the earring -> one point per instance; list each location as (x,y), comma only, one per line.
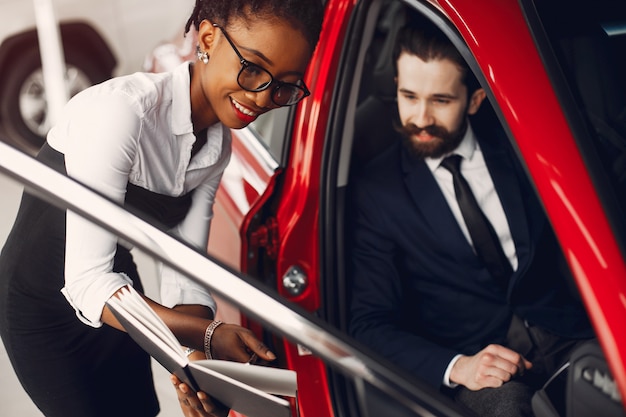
(202,55)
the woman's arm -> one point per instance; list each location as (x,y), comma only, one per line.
(189,324)
(98,135)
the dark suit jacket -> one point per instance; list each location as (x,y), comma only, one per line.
(419,293)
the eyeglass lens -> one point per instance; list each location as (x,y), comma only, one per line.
(255,78)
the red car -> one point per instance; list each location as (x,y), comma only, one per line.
(555,76)
(554,72)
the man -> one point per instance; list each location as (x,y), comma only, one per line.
(426,294)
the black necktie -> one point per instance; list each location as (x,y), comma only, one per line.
(486,241)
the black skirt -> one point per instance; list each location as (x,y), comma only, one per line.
(66,367)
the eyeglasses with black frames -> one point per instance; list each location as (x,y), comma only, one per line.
(255,78)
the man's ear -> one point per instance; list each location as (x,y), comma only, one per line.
(476,100)
(206,36)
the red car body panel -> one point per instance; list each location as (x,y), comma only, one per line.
(298,210)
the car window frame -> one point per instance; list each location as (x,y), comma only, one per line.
(254,299)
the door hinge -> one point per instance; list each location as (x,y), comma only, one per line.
(266,237)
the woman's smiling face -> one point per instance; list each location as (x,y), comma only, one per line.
(273,44)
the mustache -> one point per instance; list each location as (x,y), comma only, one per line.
(433,130)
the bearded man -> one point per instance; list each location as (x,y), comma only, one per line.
(456,274)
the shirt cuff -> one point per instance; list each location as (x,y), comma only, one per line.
(446,375)
(94,299)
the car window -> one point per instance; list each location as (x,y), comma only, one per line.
(589,44)
(270,129)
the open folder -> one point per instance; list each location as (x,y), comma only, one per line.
(251,390)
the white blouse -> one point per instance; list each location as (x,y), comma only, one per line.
(136,129)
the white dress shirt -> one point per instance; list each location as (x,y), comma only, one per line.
(135,129)
(474,169)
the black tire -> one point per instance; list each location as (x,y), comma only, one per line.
(23,69)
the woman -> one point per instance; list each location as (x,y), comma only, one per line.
(158,143)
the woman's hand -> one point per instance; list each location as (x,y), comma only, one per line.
(235,343)
(197,405)
(229,342)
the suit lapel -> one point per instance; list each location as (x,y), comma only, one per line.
(433,207)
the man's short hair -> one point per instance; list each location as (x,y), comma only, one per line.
(423,39)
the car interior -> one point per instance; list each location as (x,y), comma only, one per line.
(589,54)
(590,50)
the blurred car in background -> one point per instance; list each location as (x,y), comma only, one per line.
(100,39)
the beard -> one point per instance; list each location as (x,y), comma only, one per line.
(443,141)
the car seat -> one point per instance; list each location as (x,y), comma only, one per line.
(593,64)
(373,131)
(583,387)
(595,74)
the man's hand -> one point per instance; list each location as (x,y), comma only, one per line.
(489,368)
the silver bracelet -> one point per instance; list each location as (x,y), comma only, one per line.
(189,351)
(208,335)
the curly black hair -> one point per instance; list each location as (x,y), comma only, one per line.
(305,15)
